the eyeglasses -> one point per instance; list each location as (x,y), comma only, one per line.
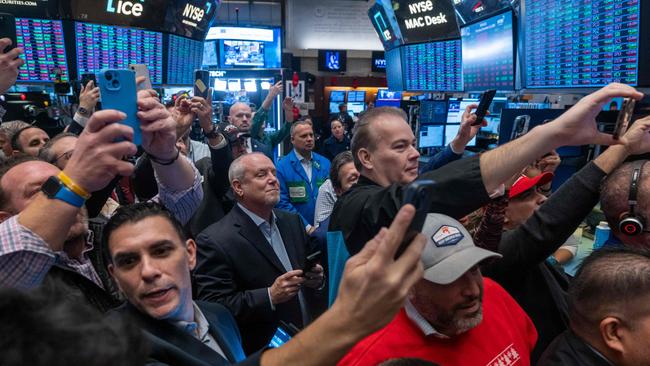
(67,155)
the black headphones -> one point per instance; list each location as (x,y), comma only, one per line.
(631,223)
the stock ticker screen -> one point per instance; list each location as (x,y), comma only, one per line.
(488,54)
(108,47)
(42,41)
(184,55)
(434,66)
(581,43)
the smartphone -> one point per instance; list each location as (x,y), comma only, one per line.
(624,117)
(118,91)
(142,70)
(8,30)
(484,105)
(201,83)
(520,126)
(419,194)
(311,261)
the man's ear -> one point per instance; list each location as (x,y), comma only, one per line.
(111,271)
(190,246)
(365,158)
(237,188)
(610,332)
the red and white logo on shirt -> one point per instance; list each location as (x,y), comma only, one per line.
(507,357)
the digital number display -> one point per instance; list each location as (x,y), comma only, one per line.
(44,49)
(433,66)
(183,57)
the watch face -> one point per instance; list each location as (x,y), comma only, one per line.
(51,187)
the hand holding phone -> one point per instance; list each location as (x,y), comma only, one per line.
(201,83)
(311,261)
(142,71)
(624,117)
(419,194)
(483,106)
(118,91)
(8,30)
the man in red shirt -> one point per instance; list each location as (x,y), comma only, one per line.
(453,316)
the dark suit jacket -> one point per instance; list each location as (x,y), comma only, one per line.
(236,265)
(259,146)
(172,346)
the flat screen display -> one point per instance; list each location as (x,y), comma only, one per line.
(384,21)
(451,130)
(210,57)
(378,61)
(434,66)
(184,55)
(337,96)
(488,54)
(332,60)
(242,53)
(581,43)
(433,112)
(190,18)
(431,136)
(468,11)
(388,98)
(425,21)
(149,14)
(108,47)
(44,50)
(356,107)
(456,108)
(357,96)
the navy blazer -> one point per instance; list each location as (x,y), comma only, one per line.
(172,346)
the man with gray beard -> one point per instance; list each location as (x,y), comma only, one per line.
(253,260)
(453,316)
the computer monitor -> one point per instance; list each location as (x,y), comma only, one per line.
(533,117)
(242,53)
(210,57)
(457,107)
(356,107)
(433,112)
(336,97)
(488,54)
(184,55)
(332,60)
(434,66)
(43,50)
(387,98)
(431,136)
(493,123)
(357,96)
(451,130)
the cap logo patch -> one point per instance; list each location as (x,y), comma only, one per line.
(446,235)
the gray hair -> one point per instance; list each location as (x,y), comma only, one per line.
(237,169)
(303,122)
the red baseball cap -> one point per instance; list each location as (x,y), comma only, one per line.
(524,183)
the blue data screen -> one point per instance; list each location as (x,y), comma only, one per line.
(581,43)
(433,66)
(184,55)
(42,42)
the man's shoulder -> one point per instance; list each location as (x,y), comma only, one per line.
(215,309)
(223,226)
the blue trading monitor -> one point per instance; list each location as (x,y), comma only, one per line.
(242,53)
(184,55)
(431,136)
(356,107)
(394,69)
(44,49)
(432,112)
(451,130)
(108,47)
(387,98)
(581,43)
(456,108)
(336,97)
(357,96)
(488,54)
(433,66)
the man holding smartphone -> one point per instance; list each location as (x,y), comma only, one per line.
(10,62)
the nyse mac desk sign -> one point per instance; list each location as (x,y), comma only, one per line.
(426,20)
(191,18)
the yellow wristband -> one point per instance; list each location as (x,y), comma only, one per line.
(73,186)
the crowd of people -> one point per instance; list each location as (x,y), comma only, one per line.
(183,252)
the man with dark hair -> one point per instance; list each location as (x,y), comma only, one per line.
(44,236)
(252,260)
(338,142)
(384,153)
(58,150)
(69,331)
(9,129)
(29,140)
(151,259)
(608,309)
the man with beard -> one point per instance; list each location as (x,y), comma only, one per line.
(44,235)
(301,173)
(453,316)
(252,260)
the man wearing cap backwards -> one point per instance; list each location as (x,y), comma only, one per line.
(453,316)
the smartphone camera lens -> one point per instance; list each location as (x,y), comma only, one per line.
(115,84)
(108,76)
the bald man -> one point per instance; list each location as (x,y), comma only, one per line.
(241,115)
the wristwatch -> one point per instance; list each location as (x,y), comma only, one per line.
(212,134)
(83,112)
(55,189)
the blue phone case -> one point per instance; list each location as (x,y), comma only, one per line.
(118,91)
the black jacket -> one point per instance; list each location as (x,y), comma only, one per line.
(570,350)
(236,265)
(367,207)
(169,345)
(79,287)
(538,287)
(332,147)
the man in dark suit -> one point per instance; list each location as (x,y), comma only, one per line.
(251,261)
(241,116)
(150,260)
